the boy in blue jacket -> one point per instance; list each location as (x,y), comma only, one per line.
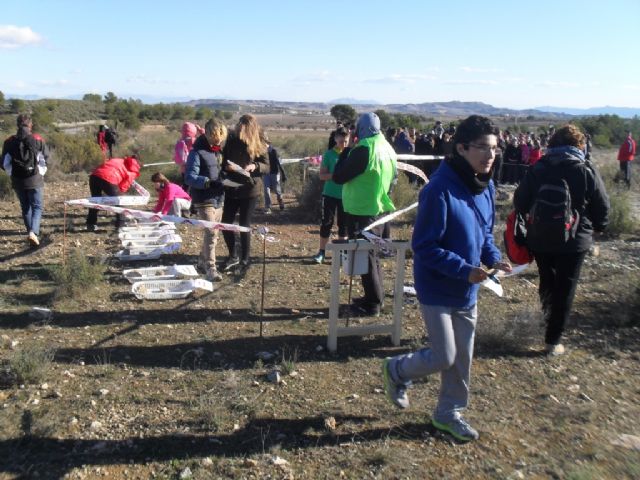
(452,237)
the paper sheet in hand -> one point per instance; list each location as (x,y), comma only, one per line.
(238,169)
(515,270)
(493,285)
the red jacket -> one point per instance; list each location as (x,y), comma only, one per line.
(102,142)
(119,171)
(627,150)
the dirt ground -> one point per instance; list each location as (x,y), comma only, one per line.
(181,388)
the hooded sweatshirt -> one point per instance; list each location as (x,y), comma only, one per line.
(588,195)
(119,171)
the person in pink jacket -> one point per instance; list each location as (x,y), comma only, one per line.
(112,178)
(172,199)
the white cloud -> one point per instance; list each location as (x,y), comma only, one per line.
(401,78)
(15,37)
(555,84)
(52,83)
(472,82)
(480,70)
(145,79)
(314,77)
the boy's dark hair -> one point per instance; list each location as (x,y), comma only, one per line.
(341,132)
(473,127)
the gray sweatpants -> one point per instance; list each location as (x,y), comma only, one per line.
(451,332)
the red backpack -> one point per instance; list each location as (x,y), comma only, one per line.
(515,239)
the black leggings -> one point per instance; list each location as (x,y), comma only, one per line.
(246,207)
(98,187)
(331,206)
(559,274)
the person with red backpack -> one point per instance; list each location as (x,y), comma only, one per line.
(625,156)
(111,178)
(24,158)
(565,202)
(101,138)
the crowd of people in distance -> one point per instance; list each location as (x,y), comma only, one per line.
(223,173)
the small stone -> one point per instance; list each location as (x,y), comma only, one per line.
(103,392)
(206,462)
(554,399)
(279,461)
(95,425)
(493,374)
(44,386)
(330,423)
(378,390)
(585,397)
(236,427)
(353,396)
(14,344)
(575,388)
(186,473)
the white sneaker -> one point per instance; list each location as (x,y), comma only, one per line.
(33,240)
(554,350)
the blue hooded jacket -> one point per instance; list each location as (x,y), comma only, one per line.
(453,234)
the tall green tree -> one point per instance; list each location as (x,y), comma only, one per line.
(1,98)
(92,97)
(344,113)
(110,97)
(17,105)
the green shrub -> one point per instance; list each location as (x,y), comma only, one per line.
(73,153)
(620,215)
(309,200)
(76,277)
(404,194)
(30,364)
(5,186)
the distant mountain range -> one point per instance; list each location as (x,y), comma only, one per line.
(625,112)
(434,109)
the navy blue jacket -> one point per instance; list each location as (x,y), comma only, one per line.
(203,163)
(452,235)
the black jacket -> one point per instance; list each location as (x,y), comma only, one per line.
(588,195)
(9,146)
(236,151)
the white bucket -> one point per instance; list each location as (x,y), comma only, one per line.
(356,262)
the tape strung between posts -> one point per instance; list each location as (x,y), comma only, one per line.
(381,221)
(157,216)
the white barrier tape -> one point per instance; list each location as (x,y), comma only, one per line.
(410,157)
(415,170)
(140,189)
(157,217)
(159,163)
(391,216)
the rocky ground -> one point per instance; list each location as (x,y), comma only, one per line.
(185,388)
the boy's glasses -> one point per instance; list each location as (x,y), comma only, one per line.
(484,148)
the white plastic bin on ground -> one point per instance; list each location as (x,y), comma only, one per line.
(167,272)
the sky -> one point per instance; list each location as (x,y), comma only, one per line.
(575,54)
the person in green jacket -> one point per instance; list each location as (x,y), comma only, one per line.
(366,174)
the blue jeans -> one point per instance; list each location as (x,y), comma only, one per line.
(31,204)
(271,182)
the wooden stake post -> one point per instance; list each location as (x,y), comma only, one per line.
(395,328)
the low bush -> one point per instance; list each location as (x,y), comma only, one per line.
(73,153)
(620,215)
(310,199)
(29,365)
(77,275)
(5,186)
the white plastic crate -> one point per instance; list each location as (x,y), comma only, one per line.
(151,242)
(144,233)
(127,255)
(168,272)
(168,289)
